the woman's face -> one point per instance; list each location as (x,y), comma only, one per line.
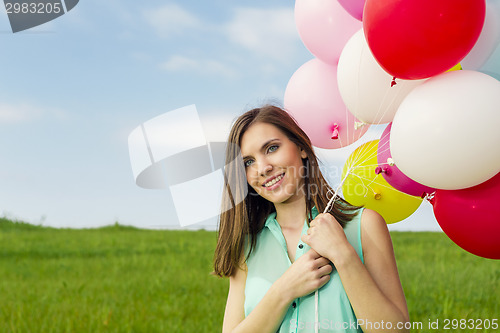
(273,163)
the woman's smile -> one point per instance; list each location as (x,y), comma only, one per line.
(273,182)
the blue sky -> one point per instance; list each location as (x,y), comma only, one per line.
(73,89)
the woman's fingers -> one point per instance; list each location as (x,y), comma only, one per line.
(324,265)
(323,280)
(308,273)
(313,254)
(325,270)
(321,261)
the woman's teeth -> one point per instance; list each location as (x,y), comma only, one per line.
(274,181)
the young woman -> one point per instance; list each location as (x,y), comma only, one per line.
(278,247)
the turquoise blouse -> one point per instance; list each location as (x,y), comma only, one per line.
(269,260)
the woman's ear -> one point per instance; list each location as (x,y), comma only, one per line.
(303,153)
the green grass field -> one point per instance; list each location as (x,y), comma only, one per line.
(122,279)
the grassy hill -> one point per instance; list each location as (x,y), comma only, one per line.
(123,279)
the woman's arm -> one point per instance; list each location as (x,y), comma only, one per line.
(374,289)
(235,311)
(306,274)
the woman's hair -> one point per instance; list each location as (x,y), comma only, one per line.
(244,212)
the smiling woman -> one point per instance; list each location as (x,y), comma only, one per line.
(274,166)
(277,250)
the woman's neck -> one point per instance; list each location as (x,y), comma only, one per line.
(291,214)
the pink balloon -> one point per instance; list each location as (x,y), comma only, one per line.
(312,97)
(324,27)
(471,217)
(392,174)
(354,7)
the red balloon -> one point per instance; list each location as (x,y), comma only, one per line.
(471,217)
(417,39)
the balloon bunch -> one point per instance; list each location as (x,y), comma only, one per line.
(415,65)
(312,95)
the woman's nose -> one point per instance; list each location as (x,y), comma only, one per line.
(264,167)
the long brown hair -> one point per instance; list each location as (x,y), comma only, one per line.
(244,211)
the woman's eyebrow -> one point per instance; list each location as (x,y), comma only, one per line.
(263,146)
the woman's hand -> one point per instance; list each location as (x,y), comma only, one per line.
(308,273)
(327,238)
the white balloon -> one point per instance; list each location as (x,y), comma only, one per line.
(446,132)
(488,39)
(366,89)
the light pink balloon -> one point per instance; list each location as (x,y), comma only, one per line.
(392,174)
(354,7)
(312,97)
(324,27)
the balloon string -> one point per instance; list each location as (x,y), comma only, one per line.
(367,188)
(349,172)
(346,115)
(380,108)
(367,185)
(358,68)
(363,50)
(358,153)
(382,148)
(352,168)
(365,156)
(328,207)
(361,159)
(332,199)
(335,135)
(360,156)
(391,102)
(370,166)
(388,187)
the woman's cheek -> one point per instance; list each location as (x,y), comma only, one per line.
(291,189)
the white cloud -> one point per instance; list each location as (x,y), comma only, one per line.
(217,126)
(270,34)
(266,32)
(178,63)
(11,114)
(20,113)
(171,20)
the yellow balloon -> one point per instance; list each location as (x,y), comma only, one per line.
(457,67)
(363,187)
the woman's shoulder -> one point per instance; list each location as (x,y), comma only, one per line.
(370,216)
(374,225)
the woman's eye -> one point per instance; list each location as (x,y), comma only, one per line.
(272,148)
(248,163)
